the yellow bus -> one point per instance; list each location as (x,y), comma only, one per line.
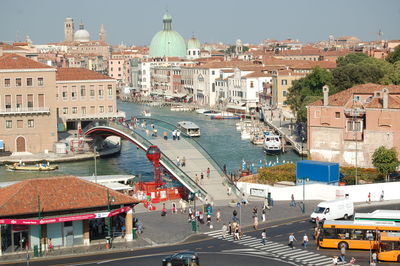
(354,234)
(389,246)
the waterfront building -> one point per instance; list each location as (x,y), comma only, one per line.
(84,96)
(349,126)
(68,210)
(28,116)
(282,80)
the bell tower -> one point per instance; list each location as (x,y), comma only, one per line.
(69,30)
(102,34)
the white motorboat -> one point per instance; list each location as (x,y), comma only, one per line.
(272,143)
(200,111)
(189,128)
(179,108)
(245,134)
(211,112)
(146,113)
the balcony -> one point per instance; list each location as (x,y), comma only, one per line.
(96,116)
(25,111)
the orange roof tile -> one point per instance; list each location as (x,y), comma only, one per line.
(343,97)
(6,46)
(64,74)
(14,61)
(65,193)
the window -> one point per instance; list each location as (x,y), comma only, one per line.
(83,91)
(213,72)
(101,109)
(101,94)
(110,109)
(337,114)
(284,82)
(31,123)
(20,123)
(74,110)
(251,84)
(73,95)
(356,98)
(112,69)
(8,123)
(317,114)
(41,100)
(91,93)
(40,82)
(7,82)
(354,125)
(64,95)
(18,82)
(29,82)
(19,101)
(65,110)
(30,101)
(284,93)
(8,101)
(83,109)
(109,88)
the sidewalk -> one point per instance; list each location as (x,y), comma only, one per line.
(175,228)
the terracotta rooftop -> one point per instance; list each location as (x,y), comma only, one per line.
(343,97)
(6,46)
(64,74)
(56,194)
(258,74)
(14,61)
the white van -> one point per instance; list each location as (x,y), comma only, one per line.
(334,209)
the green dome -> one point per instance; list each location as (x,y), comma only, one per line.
(167,42)
(193,43)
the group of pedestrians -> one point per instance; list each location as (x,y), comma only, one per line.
(181,162)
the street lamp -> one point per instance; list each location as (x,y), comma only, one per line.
(95,164)
(40,228)
(304,180)
(109,201)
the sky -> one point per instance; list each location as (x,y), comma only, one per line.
(134,22)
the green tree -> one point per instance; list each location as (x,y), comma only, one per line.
(394,56)
(385,161)
(352,58)
(307,90)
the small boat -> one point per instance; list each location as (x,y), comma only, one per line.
(37,167)
(245,134)
(189,128)
(257,139)
(211,112)
(272,143)
(179,108)
(146,113)
(200,111)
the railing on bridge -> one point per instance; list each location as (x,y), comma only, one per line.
(145,144)
(227,181)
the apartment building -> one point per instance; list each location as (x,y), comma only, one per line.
(28,117)
(84,96)
(349,126)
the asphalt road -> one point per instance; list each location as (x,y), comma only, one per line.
(214,251)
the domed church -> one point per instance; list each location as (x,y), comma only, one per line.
(167,43)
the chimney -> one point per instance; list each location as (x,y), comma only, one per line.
(325,90)
(385,97)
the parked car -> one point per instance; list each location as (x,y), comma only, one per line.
(187,258)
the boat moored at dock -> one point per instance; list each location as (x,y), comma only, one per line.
(272,143)
(37,167)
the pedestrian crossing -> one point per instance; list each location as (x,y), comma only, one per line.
(300,256)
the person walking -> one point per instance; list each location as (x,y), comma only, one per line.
(369,197)
(201,178)
(178,135)
(174,135)
(196,178)
(218,215)
(229,228)
(292,202)
(305,240)
(163,210)
(382,195)
(208,172)
(263,214)
(178,161)
(173,208)
(255,222)
(183,162)
(375,258)
(165,135)
(224,231)
(263,237)
(342,253)
(291,240)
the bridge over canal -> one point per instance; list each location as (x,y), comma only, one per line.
(197,158)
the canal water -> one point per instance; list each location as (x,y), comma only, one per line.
(218,137)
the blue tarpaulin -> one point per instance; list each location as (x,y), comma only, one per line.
(316,171)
